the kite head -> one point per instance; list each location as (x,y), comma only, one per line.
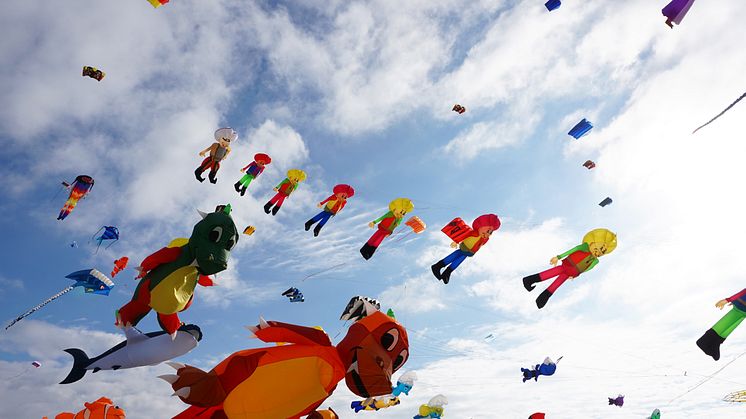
(374,348)
(405,383)
(400,207)
(600,241)
(485,225)
(262,159)
(212,240)
(224,136)
(343,191)
(193,330)
(296,176)
(103,408)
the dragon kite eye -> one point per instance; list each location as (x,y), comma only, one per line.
(215,234)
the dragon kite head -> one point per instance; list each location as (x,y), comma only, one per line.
(375,346)
(212,240)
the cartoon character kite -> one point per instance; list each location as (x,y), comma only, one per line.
(387,223)
(252,171)
(710,342)
(433,408)
(468,240)
(219,150)
(334,204)
(403,385)
(284,189)
(548,367)
(579,259)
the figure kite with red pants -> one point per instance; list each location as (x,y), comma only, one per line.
(468,240)
(387,223)
(284,189)
(218,150)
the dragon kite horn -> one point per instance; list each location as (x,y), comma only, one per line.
(360,307)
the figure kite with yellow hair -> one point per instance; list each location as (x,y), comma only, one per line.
(284,189)
(579,259)
(387,223)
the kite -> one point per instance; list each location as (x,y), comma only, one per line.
(458,109)
(416,224)
(157,3)
(537,415)
(139,350)
(284,189)
(605,202)
(291,381)
(74,244)
(553,5)
(433,409)
(675,11)
(119,265)
(334,204)
(589,164)
(110,233)
(252,171)
(324,414)
(655,415)
(710,342)
(218,150)
(579,259)
(92,281)
(170,275)
(249,230)
(468,240)
(490,338)
(387,223)
(102,408)
(736,397)
(93,73)
(548,367)
(294,295)
(403,385)
(618,401)
(580,129)
(36,364)
(721,113)
(80,187)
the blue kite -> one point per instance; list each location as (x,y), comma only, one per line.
(580,129)
(109,233)
(605,202)
(548,367)
(553,4)
(91,280)
(294,295)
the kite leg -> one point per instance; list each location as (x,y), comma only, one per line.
(214,172)
(452,261)
(132,312)
(206,164)
(169,322)
(373,242)
(276,201)
(729,322)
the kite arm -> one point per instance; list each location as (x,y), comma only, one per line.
(165,255)
(326,200)
(381,218)
(736,296)
(273,331)
(577,248)
(206,281)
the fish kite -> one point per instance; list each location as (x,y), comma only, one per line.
(102,408)
(119,265)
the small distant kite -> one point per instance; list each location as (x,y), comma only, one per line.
(580,129)
(589,164)
(489,338)
(249,230)
(721,113)
(736,397)
(537,415)
(92,281)
(417,225)
(618,401)
(294,295)
(157,3)
(36,364)
(675,11)
(553,4)
(119,265)
(79,189)
(605,202)
(109,233)
(93,73)
(74,244)
(458,109)
(655,415)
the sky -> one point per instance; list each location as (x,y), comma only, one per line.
(360,92)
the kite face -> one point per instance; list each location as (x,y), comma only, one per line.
(296,175)
(212,240)
(400,207)
(373,349)
(600,241)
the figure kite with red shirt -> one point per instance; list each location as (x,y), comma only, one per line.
(575,261)
(711,340)
(252,171)
(468,240)
(334,205)
(387,223)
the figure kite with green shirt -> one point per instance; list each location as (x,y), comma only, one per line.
(579,259)
(284,189)
(711,340)
(387,223)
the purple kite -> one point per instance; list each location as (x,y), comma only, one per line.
(676,10)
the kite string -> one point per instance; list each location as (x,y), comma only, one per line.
(720,114)
(706,379)
(39,306)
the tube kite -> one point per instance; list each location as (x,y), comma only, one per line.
(710,342)
(468,240)
(332,206)
(387,223)
(80,187)
(579,259)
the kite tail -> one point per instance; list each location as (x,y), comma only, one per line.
(80,362)
(720,114)
(195,412)
(47,301)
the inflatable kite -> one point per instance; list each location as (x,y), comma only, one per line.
(293,380)
(617,401)
(284,189)
(334,204)
(119,265)
(218,150)
(109,233)
(537,415)
(712,339)
(605,202)
(580,129)
(387,223)
(468,240)
(720,114)
(170,275)
(324,414)
(294,295)
(102,408)
(252,171)
(80,187)
(93,73)
(553,5)
(433,409)
(91,280)
(655,415)
(157,3)
(458,109)
(139,350)
(589,164)
(249,230)
(579,259)
(675,11)
(403,385)
(548,367)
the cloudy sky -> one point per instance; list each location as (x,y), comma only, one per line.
(360,92)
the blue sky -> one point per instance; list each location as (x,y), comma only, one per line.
(361,92)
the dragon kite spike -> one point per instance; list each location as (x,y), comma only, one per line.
(360,307)
(202,214)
